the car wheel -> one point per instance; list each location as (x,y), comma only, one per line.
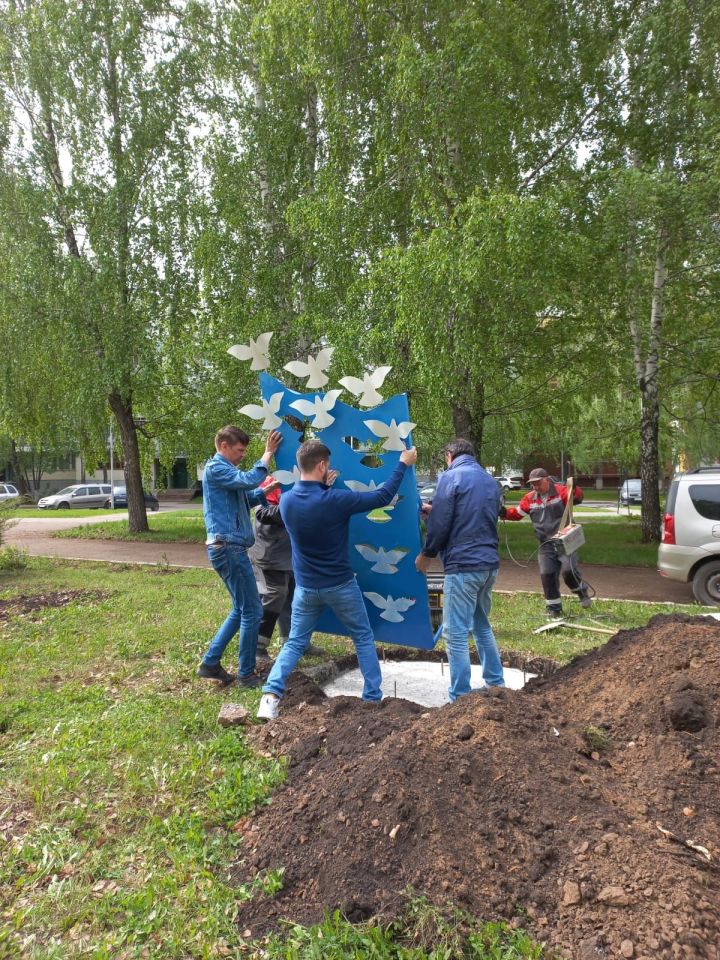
(63,506)
(706,584)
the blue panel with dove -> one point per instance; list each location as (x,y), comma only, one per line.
(365,447)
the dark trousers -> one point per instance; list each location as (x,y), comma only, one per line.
(552,564)
(276,588)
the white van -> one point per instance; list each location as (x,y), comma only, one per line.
(690,548)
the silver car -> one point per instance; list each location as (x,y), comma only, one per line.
(690,548)
(79,496)
(8,492)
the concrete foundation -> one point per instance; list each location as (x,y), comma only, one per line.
(417,680)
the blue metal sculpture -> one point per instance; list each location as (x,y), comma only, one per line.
(364,447)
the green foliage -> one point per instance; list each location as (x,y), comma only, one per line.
(13,558)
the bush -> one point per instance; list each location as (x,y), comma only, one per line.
(13,558)
(7,511)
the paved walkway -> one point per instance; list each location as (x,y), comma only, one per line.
(619,583)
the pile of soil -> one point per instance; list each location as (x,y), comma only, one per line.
(564,808)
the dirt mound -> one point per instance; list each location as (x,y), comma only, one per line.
(566,806)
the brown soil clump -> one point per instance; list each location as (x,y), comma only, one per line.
(545,802)
(32,603)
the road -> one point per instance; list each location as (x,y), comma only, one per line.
(609,582)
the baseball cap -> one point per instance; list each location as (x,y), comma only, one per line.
(538,473)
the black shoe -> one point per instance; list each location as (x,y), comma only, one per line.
(262,654)
(314,651)
(553,613)
(215,673)
(249,682)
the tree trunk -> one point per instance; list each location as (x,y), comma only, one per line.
(131,453)
(649,471)
(650,414)
(469,418)
(19,472)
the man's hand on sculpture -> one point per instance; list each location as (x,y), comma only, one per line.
(332,476)
(274,439)
(408,457)
(422,563)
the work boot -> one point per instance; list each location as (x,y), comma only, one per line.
(215,673)
(553,612)
(314,651)
(262,648)
(585,599)
(250,681)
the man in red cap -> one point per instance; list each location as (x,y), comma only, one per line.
(271,557)
(545,505)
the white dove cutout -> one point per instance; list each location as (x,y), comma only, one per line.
(313,368)
(318,408)
(357,486)
(268,410)
(287,477)
(367,388)
(256,351)
(382,560)
(392,607)
(394,432)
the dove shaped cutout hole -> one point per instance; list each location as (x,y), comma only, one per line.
(384,514)
(302,426)
(370,451)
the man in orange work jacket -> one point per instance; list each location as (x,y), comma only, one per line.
(545,505)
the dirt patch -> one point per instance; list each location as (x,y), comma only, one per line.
(544,805)
(32,603)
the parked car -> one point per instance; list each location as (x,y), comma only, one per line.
(121,500)
(631,492)
(79,496)
(427,492)
(510,481)
(8,492)
(690,548)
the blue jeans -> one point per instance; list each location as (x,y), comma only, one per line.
(467,601)
(233,565)
(347,604)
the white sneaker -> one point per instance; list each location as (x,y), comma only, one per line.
(268,709)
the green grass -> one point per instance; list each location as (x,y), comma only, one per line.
(607,495)
(119,791)
(34,513)
(609,541)
(180,526)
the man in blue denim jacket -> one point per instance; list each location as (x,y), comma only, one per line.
(462,528)
(228,494)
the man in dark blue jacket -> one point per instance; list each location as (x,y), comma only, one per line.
(318,521)
(462,528)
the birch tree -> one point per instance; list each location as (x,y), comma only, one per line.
(95,98)
(660,205)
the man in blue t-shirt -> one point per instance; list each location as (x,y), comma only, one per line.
(462,528)
(318,521)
